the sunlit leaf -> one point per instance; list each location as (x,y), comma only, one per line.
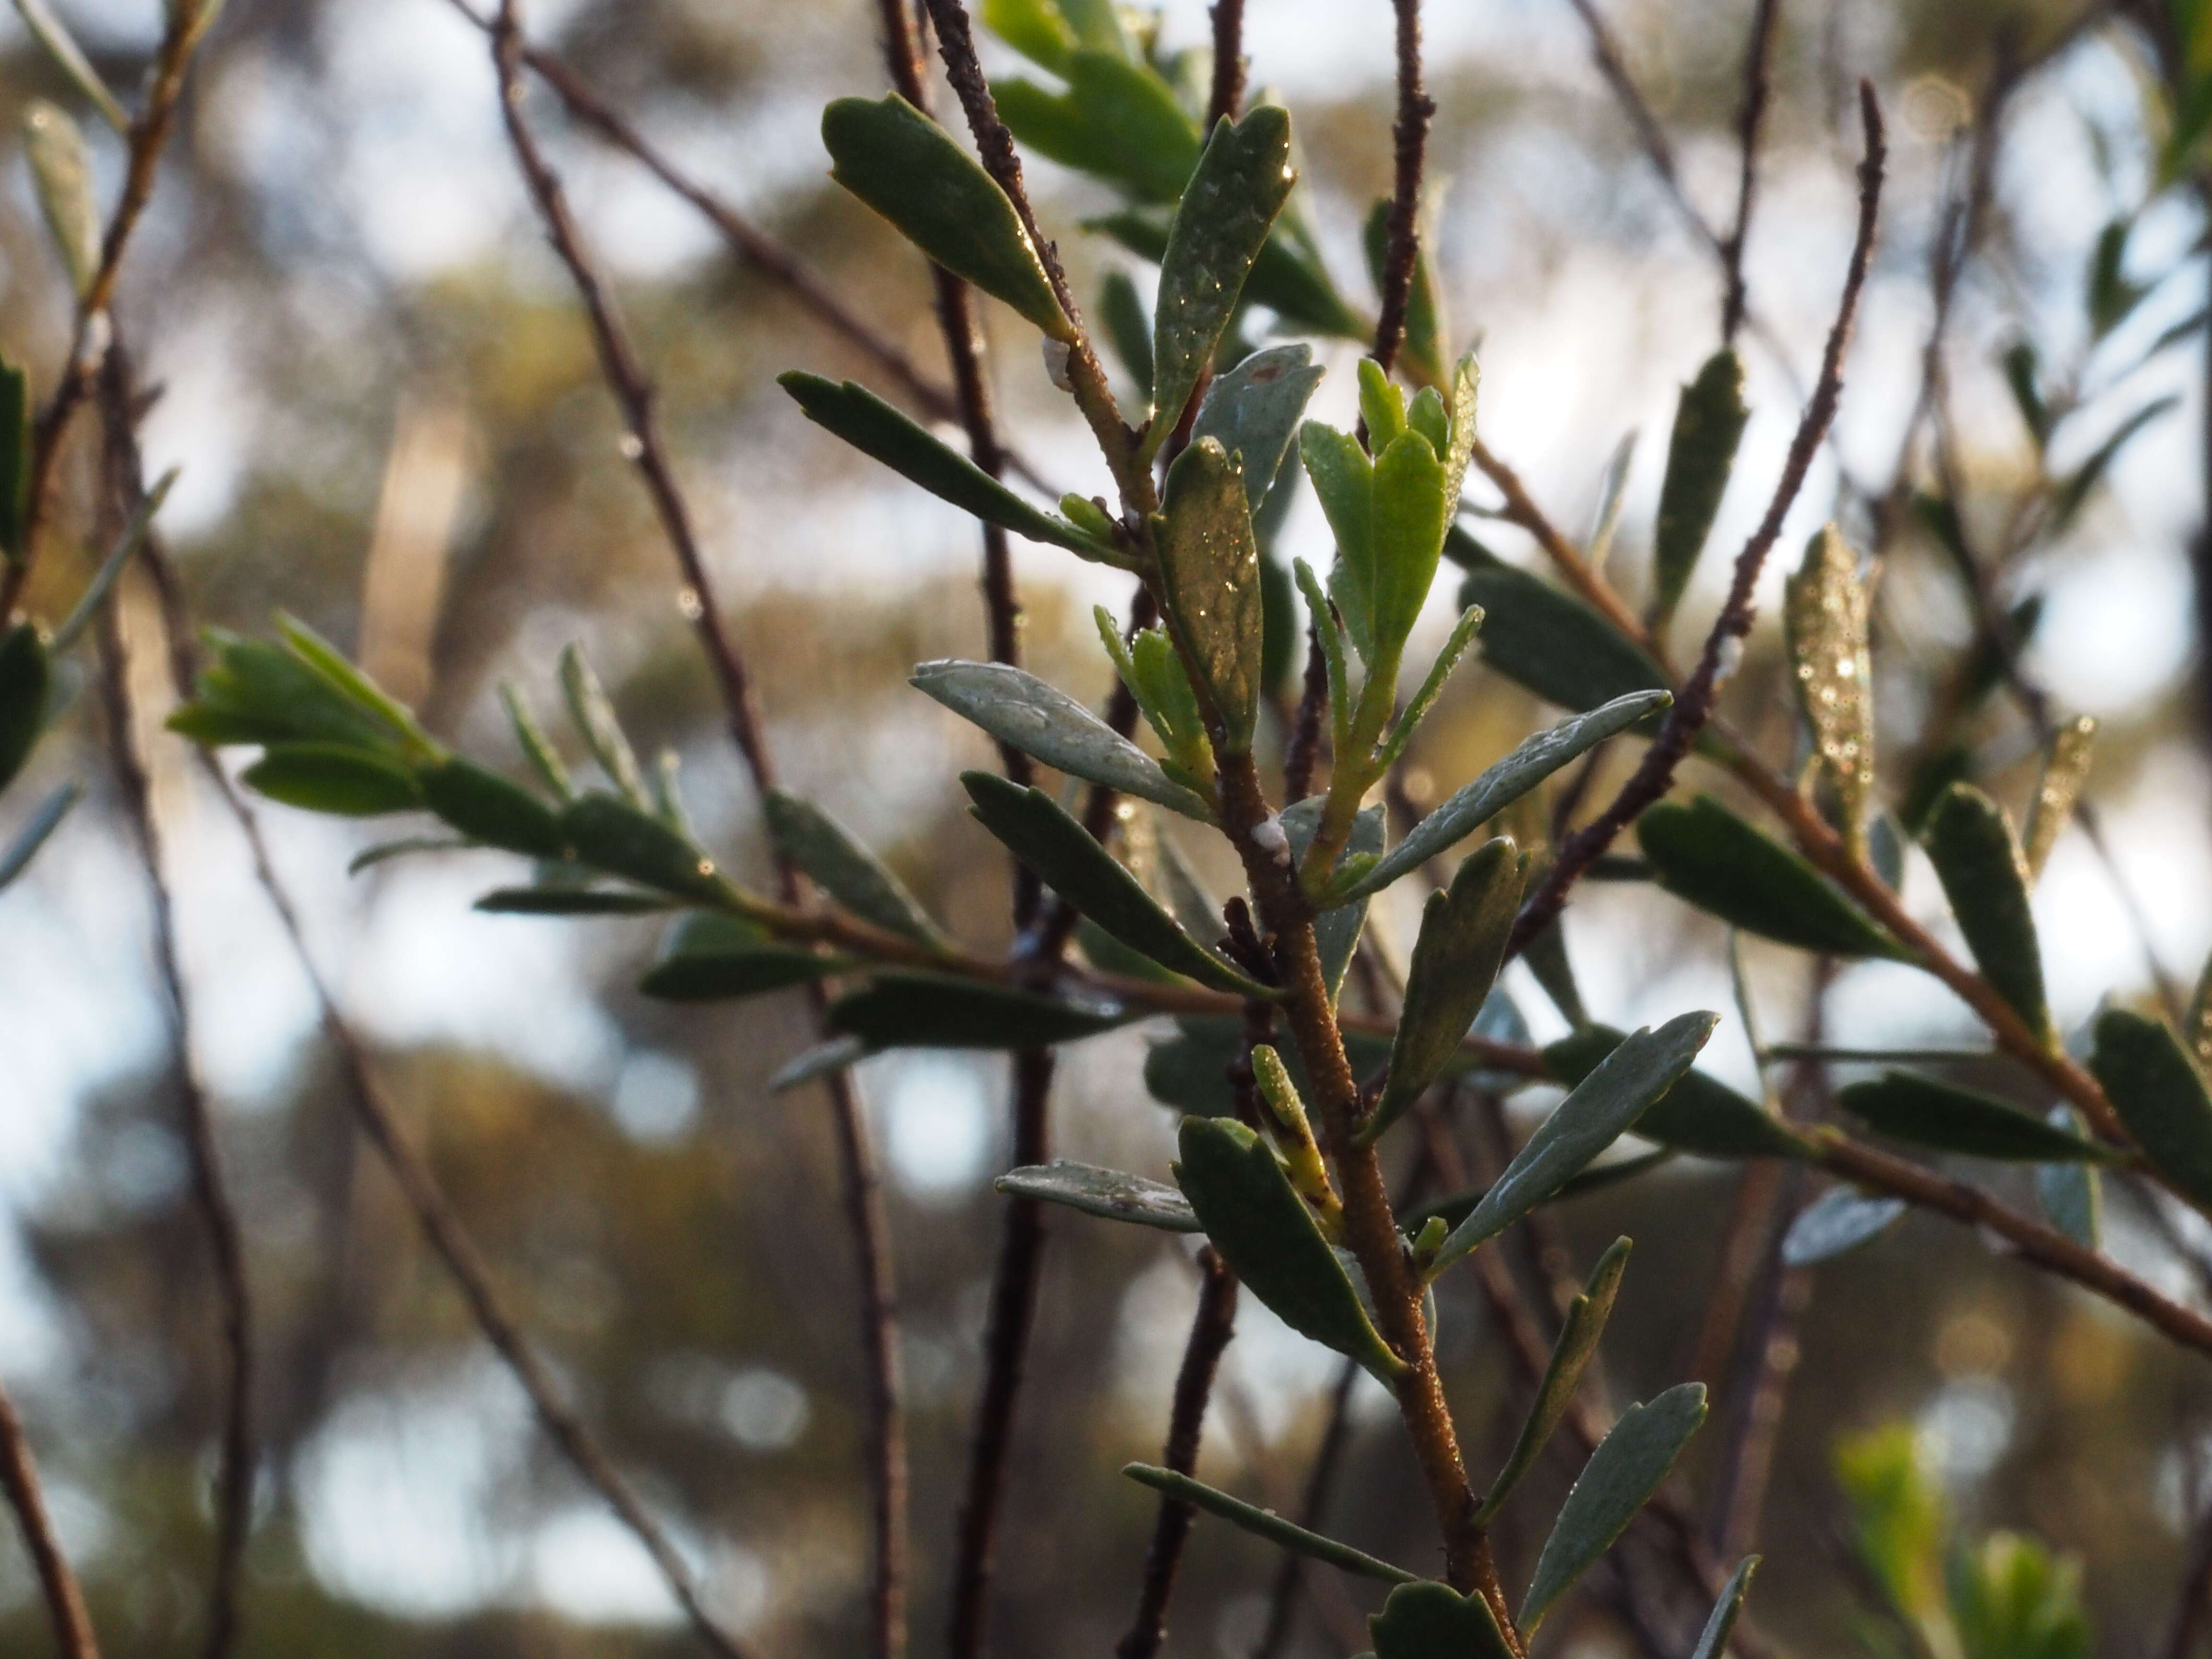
(1210,570)
(1253,410)
(1114,1194)
(2065,769)
(1117,121)
(1712,1640)
(48,30)
(1826,610)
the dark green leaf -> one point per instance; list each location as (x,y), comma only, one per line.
(1265,1232)
(1456,1208)
(1950,1119)
(26,682)
(1457,958)
(1336,930)
(486,807)
(1597,1112)
(1243,179)
(568,902)
(323,777)
(16,855)
(328,663)
(809,838)
(2197,1026)
(933,1011)
(1985,878)
(882,433)
(1698,1115)
(1840,1220)
(1285,280)
(253,692)
(1431,1620)
(1548,640)
(1064,855)
(1708,423)
(1209,569)
(1039,719)
(1117,121)
(1114,1194)
(1122,313)
(1265,1524)
(1570,1355)
(1554,970)
(15,457)
(1253,410)
(2161,1096)
(1707,856)
(1712,1640)
(610,834)
(907,167)
(369,857)
(2071,1194)
(1618,1479)
(709,957)
(1475,805)
(2020,372)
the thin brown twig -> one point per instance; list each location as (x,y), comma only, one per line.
(1226,96)
(65,1597)
(1409,136)
(1302,752)
(1757,86)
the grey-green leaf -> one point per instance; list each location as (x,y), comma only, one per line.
(1985,878)
(1501,785)
(1700,1115)
(16,854)
(844,869)
(1707,856)
(1210,570)
(709,957)
(1114,1194)
(1253,410)
(1708,424)
(1428,1620)
(1571,1356)
(2159,1096)
(1618,1479)
(1597,1112)
(1265,1524)
(1065,856)
(1949,1119)
(61,167)
(1840,1220)
(2071,1194)
(908,168)
(62,48)
(1457,958)
(593,712)
(1039,719)
(1548,640)
(1337,929)
(1263,1229)
(933,1011)
(1712,1640)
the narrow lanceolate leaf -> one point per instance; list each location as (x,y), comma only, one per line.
(1707,856)
(1708,424)
(1475,804)
(1064,855)
(1549,641)
(2161,1096)
(1210,569)
(1700,1115)
(1455,962)
(570,902)
(1466,379)
(1712,1640)
(1253,410)
(1430,1620)
(2065,769)
(610,834)
(321,777)
(2071,1194)
(593,712)
(1039,719)
(1263,1229)
(845,869)
(1597,1112)
(94,593)
(709,957)
(883,433)
(1114,1194)
(838,1054)
(61,165)
(1411,514)
(1972,846)
(1840,1220)
(16,854)
(1035,28)
(1344,482)
(26,682)
(1243,179)
(1265,1524)
(15,457)
(486,807)
(37,16)
(2198,1031)
(1954,1120)
(1618,1479)
(909,169)
(1571,1356)
(1118,120)
(933,1011)
(1826,614)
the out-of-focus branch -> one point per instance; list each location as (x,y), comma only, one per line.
(1226,94)
(1409,136)
(1758,85)
(19,1475)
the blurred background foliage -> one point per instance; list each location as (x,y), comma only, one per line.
(390,424)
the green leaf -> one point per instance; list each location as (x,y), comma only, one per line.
(15,457)
(1708,423)
(883,433)
(809,838)
(1499,785)
(1826,613)
(593,712)
(1431,1620)
(1466,380)
(1064,855)
(1950,1119)
(1285,280)
(1712,1640)
(1425,345)
(2010,1599)
(1409,518)
(1457,958)
(1336,930)
(1985,878)
(2071,1194)
(1128,326)
(609,834)
(1243,179)
(709,957)
(1456,1208)
(26,683)
(486,807)
(1265,1232)
(1034,28)
(1549,641)
(95,591)
(1041,720)
(253,692)
(1597,1112)
(536,747)
(1209,572)
(2065,769)
(935,1010)
(1417,708)
(1700,1115)
(329,664)
(61,167)
(1618,1479)
(1114,1194)
(1117,121)
(2021,375)
(908,168)
(1253,410)
(1840,1220)
(2198,1025)
(1579,1331)
(1343,482)
(1707,856)
(1265,1524)
(404,847)
(2159,1096)
(16,854)
(569,901)
(325,777)
(48,30)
